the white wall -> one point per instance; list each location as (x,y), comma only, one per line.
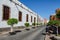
(14,13)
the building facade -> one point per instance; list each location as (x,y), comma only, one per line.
(15,9)
(45,21)
(53,17)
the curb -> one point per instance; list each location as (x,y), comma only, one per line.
(7,33)
(4,33)
(57,37)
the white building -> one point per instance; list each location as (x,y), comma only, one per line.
(15,9)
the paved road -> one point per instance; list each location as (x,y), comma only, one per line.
(33,34)
(40,36)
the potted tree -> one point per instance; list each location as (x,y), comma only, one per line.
(11,22)
(27,26)
(33,25)
(38,24)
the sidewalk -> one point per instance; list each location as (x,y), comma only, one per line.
(4,33)
(7,32)
(47,37)
(58,37)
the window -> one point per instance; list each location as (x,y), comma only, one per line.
(31,18)
(26,17)
(20,16)
(6,12)
(34,20)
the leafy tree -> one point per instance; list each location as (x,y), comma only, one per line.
(27,24)
(53,22)
(11,22)
(57,11)
(33,24)
(38,23)
(58,15)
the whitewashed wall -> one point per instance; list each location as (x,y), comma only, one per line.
(14,13)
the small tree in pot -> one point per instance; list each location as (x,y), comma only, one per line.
(27,26)
(33,25)
(11,22)
(39,24)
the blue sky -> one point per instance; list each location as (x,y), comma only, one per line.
(43,7)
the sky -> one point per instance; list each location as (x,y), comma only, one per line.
(44,8)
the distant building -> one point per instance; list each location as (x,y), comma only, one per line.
(45,21)
(53,17)
(40,19)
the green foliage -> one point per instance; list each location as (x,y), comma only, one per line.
(12,21)
(38,23)
(58,15)
(58,12)
(33,24)
(27,24)
(53,22)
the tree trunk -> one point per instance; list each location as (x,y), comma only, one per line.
(12,28)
